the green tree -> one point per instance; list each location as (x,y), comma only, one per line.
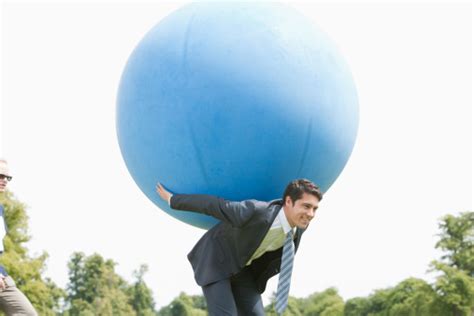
(141,297)
(25,269)
(455,291)
(185,305)
(326,303)
(457,241)
(95,289)
(455,284)
(375,304)
(411,297)
(294,307)
(357,306)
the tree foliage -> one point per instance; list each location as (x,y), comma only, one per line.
(455,284)
(185,305)
(26,270)
(457,241)
(455,291)
(326,303)
(140,296)
(95,288)
(411,297)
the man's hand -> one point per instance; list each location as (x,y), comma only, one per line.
(164,194)
(3,285)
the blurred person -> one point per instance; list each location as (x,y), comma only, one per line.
(12,300)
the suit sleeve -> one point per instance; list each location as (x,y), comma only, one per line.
(234,213)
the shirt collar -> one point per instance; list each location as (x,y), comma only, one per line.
(284,221)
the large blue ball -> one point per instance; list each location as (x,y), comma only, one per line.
(235,100)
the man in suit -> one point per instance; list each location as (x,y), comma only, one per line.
(233,260)
(12,300)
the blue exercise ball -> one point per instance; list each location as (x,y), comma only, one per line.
(235,100)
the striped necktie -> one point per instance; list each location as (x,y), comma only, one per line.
(285,274)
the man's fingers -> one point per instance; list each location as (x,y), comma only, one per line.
(161,191)
(159,187)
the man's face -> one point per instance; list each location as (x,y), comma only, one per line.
(302,211)
(3,172)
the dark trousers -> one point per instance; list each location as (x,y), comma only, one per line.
(235,296)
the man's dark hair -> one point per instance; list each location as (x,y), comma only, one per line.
(296,188)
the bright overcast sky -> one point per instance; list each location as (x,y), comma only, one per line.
(412,161)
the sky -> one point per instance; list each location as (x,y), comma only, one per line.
(377,225)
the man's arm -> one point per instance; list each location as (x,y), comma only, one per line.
(234,213)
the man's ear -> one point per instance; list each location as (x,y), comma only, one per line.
(288,200)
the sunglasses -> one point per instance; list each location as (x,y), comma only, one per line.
(3,176)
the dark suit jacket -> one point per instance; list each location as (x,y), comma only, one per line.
(224,250)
